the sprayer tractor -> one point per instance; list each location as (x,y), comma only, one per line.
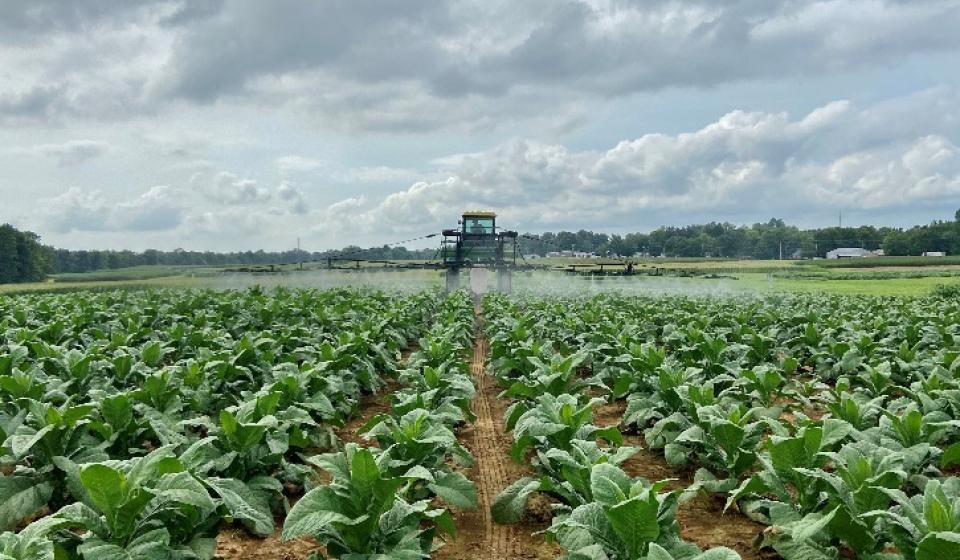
(477,244)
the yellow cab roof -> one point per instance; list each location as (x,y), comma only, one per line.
(479,214)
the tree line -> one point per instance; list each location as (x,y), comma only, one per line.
(769,240)
(24,259)
(65,260)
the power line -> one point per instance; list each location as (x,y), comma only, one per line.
(342,254)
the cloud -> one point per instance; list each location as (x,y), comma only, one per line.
(293,164)
(68,153)
(228,195)
(421,65)
(292,197)
(231,223)
(471,62)
(745,163)
(226,188)
(35,102)
(20,19)
(157,209)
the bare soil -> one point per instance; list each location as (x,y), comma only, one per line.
(478,537)
(370,406)
(235,543)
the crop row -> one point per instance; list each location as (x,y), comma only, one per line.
(379,500)
(134,423)
(834,420)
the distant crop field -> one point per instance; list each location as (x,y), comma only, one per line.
(135,273)
(878,262)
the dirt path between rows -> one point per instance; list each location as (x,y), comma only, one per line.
(478,536)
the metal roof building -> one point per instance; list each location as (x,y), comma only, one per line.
(848,253)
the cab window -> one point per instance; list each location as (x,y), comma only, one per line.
(478,226)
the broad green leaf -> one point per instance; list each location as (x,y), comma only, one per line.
(939,546)
(635,523)
(508,507)
(244,504)
(311,515)
(609,484)
(20,497)
(106,487)
(719,553)
(455,489)
(951,456)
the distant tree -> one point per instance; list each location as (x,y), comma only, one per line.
(22,257)
(9,258)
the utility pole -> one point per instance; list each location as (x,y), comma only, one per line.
(841,219)
(299,254)
(781,250)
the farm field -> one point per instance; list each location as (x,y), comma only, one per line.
(905,276)
(832,281)
(269,424)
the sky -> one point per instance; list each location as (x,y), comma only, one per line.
(242,124)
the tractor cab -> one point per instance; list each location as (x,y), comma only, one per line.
(479,224)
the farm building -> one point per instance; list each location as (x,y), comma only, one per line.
(571,254)
(848,253)
(934,254)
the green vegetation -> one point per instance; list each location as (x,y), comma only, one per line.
(145,272)
(143,421)
(878,262)
(138,424)
(833,419)
(22,258)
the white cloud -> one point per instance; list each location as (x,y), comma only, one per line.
(745,162)
(224,187)
(157,209)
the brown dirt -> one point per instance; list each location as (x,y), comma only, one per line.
(370,406)
(704,522)
(478,537)
(236,543)
(609,414)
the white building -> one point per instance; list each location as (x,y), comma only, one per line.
(934,253)
(848,253)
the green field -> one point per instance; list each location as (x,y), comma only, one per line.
(735,276)
(192,424)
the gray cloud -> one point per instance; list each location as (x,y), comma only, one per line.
(68,153)
(226,188)
(250,39)
(422,65)
(348,58)
(35,102)
(292,197)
